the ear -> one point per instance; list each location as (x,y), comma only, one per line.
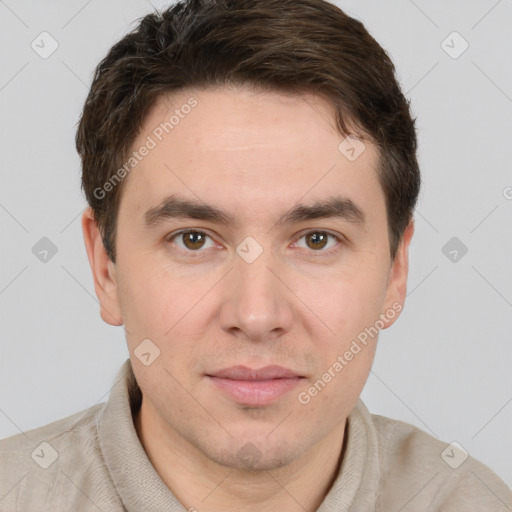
(396,290)
(103,270)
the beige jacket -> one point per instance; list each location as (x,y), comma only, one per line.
(93,461)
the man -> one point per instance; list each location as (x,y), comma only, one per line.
(251,172)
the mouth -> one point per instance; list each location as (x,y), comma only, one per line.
(256,387)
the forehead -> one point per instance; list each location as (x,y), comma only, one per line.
(240,118)
(247,149)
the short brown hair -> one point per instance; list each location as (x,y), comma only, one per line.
(292,46)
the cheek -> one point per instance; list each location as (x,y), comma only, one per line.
(165,307)
(346,302)
(146,302)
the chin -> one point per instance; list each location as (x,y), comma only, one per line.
(254,456)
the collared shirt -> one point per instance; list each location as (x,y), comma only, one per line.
(94,461)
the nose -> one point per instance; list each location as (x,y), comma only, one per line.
(257,304)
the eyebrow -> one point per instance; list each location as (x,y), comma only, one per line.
(177,207)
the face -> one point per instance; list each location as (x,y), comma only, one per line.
(247,239)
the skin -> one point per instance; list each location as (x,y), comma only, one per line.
(254,154)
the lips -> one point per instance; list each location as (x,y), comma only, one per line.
(245,373)
(255,387)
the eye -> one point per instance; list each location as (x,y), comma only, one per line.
(191,240)
(319,240)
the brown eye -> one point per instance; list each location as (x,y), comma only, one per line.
(191,240)
(321,242)
(316,240)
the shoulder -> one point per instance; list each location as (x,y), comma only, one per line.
(54,463)
(78,424)
(417,470)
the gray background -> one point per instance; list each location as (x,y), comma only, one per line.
(445,366)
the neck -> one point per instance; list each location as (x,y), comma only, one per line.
(201,484)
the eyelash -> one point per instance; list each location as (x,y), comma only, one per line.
(171,237)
